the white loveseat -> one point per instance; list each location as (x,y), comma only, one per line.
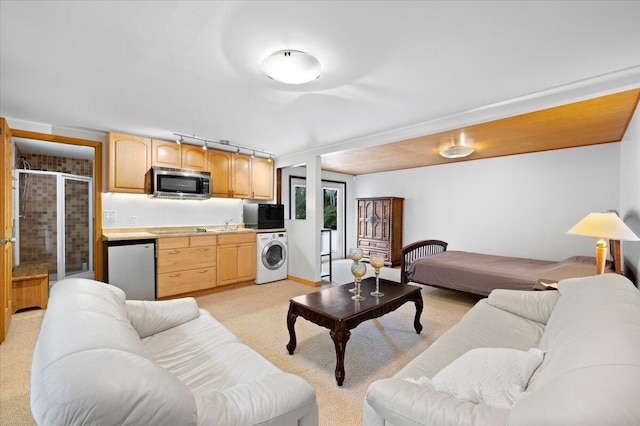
(102,360)
(590,374)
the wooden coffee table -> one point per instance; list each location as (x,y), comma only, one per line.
(333,308)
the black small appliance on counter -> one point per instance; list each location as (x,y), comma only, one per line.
(263,216)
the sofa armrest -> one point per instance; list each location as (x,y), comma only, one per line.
(280,398)
(402,403)
(149,317)
(533,305)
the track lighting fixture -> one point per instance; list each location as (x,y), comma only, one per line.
(225,146)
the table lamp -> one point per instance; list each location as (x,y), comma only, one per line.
(601,226)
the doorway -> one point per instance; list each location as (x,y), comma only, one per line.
(67,147)
(334,211)
(53,215)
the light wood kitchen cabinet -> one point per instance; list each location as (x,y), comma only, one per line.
(261,178)
(241,176)
(129,158)
(171,154)
(220,169)
(193,157)
(380,227)
(186,264)
(236,258)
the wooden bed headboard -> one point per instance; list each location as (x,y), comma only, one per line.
(616,255)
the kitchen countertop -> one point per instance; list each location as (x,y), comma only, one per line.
(121,234)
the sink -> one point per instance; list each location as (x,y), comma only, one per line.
(227,230)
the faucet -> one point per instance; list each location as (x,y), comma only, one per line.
(226,223)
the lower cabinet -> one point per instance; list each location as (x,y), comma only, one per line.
(236,258)
(185,264)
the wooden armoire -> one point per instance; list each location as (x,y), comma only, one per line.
(380,227)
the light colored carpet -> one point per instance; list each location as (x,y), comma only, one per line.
(257,315)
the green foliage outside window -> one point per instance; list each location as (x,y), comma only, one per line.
(330,206)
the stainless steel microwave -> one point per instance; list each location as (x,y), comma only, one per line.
(165,182)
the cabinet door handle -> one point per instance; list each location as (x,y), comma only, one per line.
(174,252)
(174,275)
(203,249)
(204,271)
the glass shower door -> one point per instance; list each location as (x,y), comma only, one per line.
(78,247)
(37,220)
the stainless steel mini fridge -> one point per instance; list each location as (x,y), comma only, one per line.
(131,266)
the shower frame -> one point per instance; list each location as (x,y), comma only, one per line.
(60,219)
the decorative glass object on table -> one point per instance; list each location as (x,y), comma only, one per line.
(354,254)
(358,269)
(377,261)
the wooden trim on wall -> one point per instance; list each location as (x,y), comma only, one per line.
(97,186)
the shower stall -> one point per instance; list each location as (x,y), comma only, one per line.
(53,222)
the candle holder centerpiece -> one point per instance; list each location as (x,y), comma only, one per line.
(358,269)
(377,261)
(355,254)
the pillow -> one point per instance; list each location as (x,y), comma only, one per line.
(493,376)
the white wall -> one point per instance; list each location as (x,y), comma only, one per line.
(160,212)
(630,195)
(304,235)
(517,205)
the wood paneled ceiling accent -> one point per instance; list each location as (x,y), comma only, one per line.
(590,122)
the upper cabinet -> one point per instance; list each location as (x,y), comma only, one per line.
(193,157)
(262,178)
(129,158)
(232,175)
(171,154)
(240,176)
(220,169)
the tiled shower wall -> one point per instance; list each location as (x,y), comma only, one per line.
(38,215)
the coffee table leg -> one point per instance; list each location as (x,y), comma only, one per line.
(291,321)
(340,337)
(419,307)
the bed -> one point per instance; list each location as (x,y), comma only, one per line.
(428,262)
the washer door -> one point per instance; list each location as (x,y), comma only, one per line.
(274,254)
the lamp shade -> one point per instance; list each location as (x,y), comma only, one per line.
(291,67)
(603,225)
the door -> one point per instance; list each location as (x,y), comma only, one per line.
(334,210)
(6,230)
(78,228)
(129,159)
(241,176)
(220,169)
(262,178)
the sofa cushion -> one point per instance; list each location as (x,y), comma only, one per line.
(483,326)
(153,317)
(592,362)
(89,366)
(534,305)
(231,383)
(492,376)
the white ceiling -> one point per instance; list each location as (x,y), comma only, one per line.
(156,67)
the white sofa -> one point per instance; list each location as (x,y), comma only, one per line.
(590,374)
(102,360)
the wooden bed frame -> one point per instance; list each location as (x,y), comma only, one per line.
(424,248)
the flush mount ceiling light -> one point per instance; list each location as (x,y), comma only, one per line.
(459,149)
(291,67)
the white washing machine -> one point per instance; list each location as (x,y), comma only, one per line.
(271,257)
